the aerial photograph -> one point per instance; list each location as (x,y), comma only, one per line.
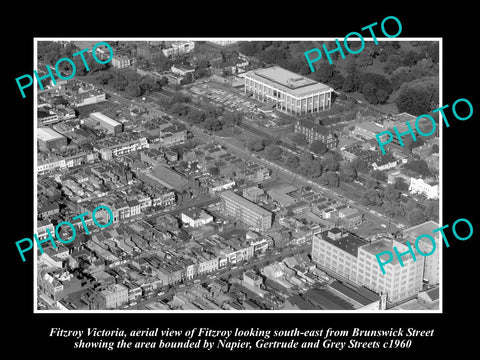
(234,174)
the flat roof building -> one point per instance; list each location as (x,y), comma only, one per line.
(399,282)
(287,91)
(431,271)
(355,260)
(246,211)
(107,123)
(49,138)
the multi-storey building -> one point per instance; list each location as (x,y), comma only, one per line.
(114,296)
(399,282)
(122,61)
(176,48)
(432,262)
(107,123)
(246,211)
(287,91)
(313,131)
(420,186)
(355,260)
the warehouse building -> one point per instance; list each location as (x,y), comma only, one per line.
(287,91)
(112,126)
(246,211)
(50,139)
(355,260)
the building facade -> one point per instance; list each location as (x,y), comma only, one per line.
(355,260)
(122,61)
(314,132)
(112,126)
(287,91)
(246,211)
(419,186)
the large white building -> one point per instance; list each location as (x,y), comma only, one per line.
(431,271)
(399,282)
(176,48)
(419,186)
(114,296)
(355,260)
(287,91)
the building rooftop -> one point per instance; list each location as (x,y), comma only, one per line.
(104,118)
(348,243)
(230,195)
(285,80)
(355,294)
(424,228)
(47,134)
(380,246)
(371,126)
(315,127)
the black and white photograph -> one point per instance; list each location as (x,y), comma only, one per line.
(229,176)
(188,183)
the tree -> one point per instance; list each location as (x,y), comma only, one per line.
(315,169)
(187,79)
(432,209)
(435,149)
(133,90)
(273,152)
(318,147)
(359,165)
(330,163)
(233,119)
(379,175)
(292,162)
(104,77)
(401,185)
(213,124)
(416,217)
(413,101)
(372,197)
(411,204)
(299,139)
(394,61)
(196,116)
(333,180)
(371,184)
(348,173)
(256,145)
(179,109)
(418,166)
(391,194)
(149,84)
(323,179)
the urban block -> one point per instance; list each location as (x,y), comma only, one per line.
(345,42)
(59,75)
(431,119)
(434,245)
(59,225)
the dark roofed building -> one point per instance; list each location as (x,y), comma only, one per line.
(313,131)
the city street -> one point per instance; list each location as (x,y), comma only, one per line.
(227,272)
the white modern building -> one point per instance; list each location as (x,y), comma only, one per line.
(176,48)
(431,272)
(355,260)
(420,186)
(287,91)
